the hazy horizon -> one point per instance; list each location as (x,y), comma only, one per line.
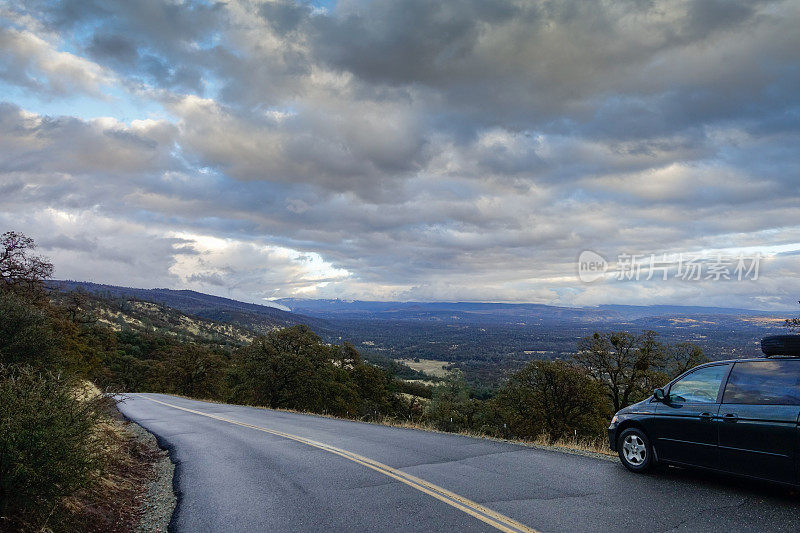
(275,303)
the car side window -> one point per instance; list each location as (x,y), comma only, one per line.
(701,386)
(764,383)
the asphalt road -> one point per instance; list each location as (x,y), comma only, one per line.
(247,469)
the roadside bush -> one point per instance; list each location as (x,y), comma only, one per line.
(552,398)
(50,444)
(25,332)
(451,408)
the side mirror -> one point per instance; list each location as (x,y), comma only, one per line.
(659,395)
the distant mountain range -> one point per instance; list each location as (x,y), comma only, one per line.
(500,312)
(486,340)
(320,311)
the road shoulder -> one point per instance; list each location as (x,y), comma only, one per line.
(158,501)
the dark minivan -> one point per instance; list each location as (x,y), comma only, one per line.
(739,417)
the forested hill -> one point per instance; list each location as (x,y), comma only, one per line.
(259,318)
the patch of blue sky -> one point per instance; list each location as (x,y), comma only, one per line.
(212,86)
(75,41)
(119,104)
(321,6)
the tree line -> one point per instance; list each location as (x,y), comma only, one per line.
(572,398)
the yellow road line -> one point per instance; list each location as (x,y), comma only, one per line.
(493,518)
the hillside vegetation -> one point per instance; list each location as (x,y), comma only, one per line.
(487,342)
(258,318)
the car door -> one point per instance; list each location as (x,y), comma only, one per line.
(758,431)
(686,421)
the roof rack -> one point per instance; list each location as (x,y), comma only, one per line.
(786,345)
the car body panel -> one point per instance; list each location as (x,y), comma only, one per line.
(643,414)
(687,433)
(761,440)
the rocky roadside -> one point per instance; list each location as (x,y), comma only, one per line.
(158,501)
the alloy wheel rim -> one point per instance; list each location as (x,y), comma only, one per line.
(634,450)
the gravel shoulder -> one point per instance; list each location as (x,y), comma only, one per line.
(159,501)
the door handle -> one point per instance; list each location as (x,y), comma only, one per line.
(730,417)
(706,416)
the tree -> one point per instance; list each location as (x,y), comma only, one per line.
(21,271)
(292,368)
(451,408)
(26,332)
(346,356)
(372,385)
(793,323)
(287,368)
(614,361)
(629,366)
(677,359)
(552,398)
(77,307)
(196,371)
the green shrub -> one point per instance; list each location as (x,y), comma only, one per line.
(26,333)
(552,398)
(50,444)
(451,408)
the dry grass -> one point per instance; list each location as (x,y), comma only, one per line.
(86,390)
(113,501)
(430,367)
(426,382)
(583,446)
(596,446)
(764,320)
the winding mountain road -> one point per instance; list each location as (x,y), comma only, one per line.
(249,469)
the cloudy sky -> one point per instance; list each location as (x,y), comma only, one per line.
(405,149)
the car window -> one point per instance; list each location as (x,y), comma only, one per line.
(701,386)
(764,383)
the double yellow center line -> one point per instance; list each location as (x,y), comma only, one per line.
(484,514)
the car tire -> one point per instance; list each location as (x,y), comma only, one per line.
(635,450)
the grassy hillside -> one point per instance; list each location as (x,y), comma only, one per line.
(128,314)
(258,318)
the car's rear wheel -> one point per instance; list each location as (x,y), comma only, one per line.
(635,450)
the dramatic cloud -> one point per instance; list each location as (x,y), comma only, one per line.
(33,63)
(404,149)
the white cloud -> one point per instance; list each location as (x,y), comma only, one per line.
(30,61)
(258,270)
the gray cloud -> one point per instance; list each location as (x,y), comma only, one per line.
(79,162)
